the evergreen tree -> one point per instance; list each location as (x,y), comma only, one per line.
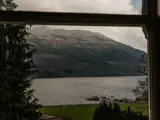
(141,91)
(4,86)
(114,112)
(16,71)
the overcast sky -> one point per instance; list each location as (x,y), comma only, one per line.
(131,36)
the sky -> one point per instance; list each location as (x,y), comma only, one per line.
(128,35)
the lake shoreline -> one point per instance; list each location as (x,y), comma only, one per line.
(77,90)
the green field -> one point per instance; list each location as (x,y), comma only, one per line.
(84,112)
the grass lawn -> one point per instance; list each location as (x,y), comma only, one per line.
(84,112)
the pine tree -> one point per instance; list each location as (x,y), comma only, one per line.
(4,86)
(114,112)
(17,71)
(141,91)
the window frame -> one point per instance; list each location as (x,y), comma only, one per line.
(82,19)
(149,20)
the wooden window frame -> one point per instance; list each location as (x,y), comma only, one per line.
(83,19)
(149,20)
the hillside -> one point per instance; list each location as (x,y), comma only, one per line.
(72,53)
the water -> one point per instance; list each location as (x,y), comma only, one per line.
(57,91)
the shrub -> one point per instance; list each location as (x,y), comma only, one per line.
(113,112)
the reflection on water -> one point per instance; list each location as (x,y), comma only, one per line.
(76,90)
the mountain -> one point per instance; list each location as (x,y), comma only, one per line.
(79,53)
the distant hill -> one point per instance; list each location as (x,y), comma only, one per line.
(74,53)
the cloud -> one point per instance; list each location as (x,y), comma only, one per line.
(91,6)
(131,36)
